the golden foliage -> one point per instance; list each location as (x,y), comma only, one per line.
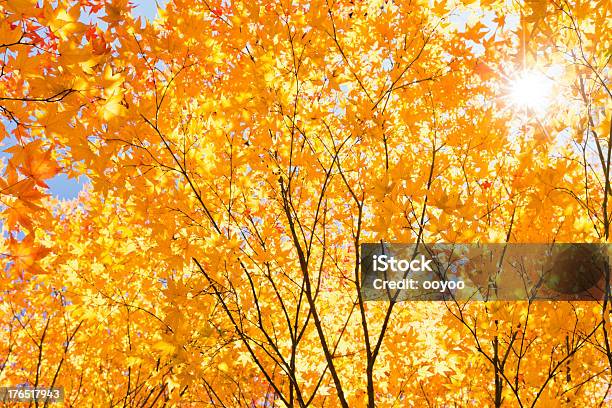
(239,153)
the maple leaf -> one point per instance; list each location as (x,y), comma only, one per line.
(484,71)
(19,213)
(34,162)
(23,189)
(27,254)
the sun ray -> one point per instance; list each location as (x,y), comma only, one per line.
(531,90)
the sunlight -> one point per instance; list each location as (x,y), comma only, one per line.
(531,90)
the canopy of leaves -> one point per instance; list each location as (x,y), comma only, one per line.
(240,152)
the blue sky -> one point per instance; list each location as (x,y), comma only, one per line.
(146,8)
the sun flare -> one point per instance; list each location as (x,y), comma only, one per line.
(531,90)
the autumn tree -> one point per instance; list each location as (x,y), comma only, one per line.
(239,154)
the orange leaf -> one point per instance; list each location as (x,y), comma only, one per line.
(34,162)
(26,254)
